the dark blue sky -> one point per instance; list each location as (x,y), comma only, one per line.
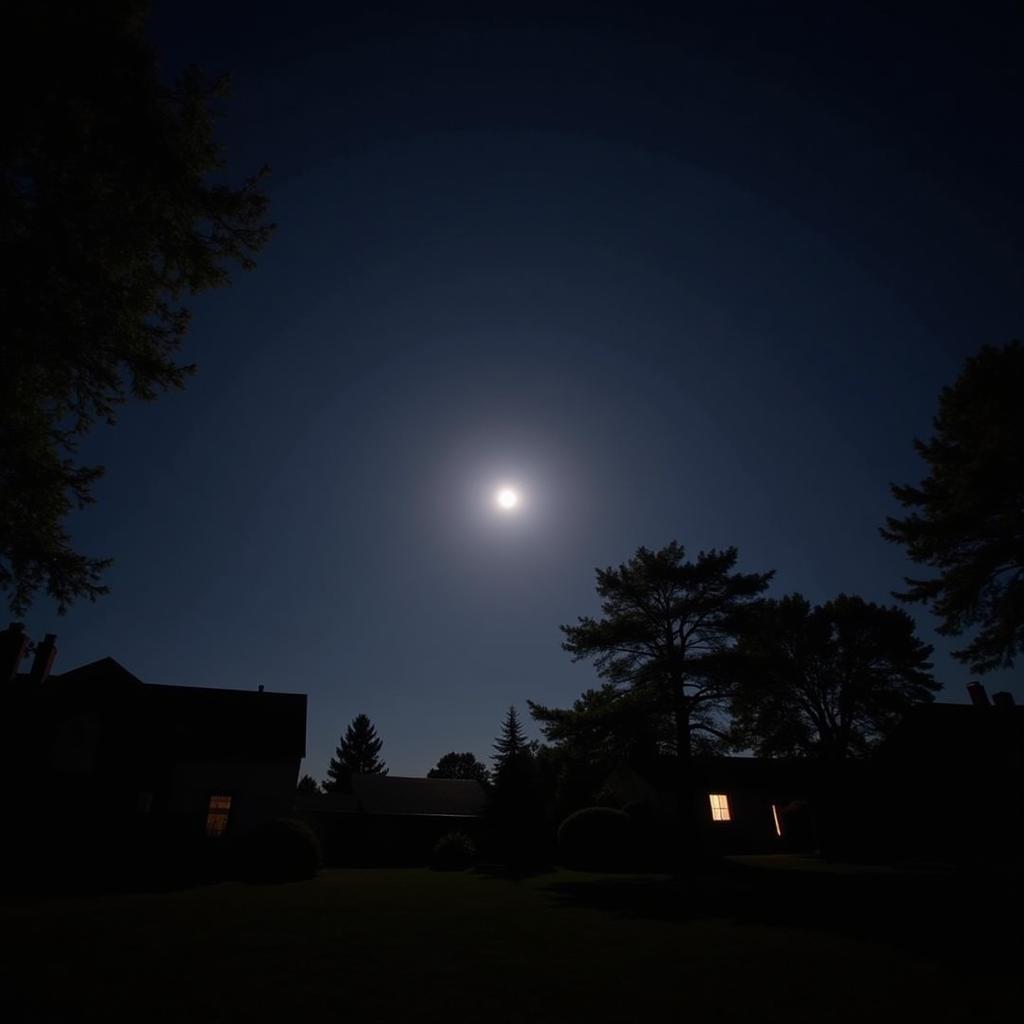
(697,278)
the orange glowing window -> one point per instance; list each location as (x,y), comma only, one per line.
(719,807)
(217,815)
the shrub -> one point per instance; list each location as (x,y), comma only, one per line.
(280,851)
(597,839)
(453,852)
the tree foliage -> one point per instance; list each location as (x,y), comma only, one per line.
(516,810)
(663,643)
(510,743)
(356,754)
(607,725)
(604,727)
(460,766)
(308,786)
(113,210)
(966,518)
(826,681)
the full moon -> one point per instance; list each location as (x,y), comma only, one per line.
(507,499)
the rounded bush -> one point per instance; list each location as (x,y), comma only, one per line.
(280,851)
(453,852)
(597,839)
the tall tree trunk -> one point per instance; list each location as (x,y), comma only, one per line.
(689,842)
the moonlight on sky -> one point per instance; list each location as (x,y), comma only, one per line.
(507,499)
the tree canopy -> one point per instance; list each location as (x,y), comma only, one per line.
(460,766)
(607,725)
(826,681)
(114,208)
(966,518)
(356,754)
(663,640)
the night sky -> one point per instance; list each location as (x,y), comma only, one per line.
(698,278)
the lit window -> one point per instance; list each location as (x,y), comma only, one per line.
(217,815)
(778,821)
(719,807)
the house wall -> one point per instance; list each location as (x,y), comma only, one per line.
(260,791)
(751,828)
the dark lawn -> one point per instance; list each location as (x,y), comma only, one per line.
(743,945)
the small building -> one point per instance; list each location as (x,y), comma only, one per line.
(392,820)
(95,753)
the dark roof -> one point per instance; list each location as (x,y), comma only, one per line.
(105,672)
(95,679)
(332,803)
(956,733)
(390,794)
(192,722)
(206,722)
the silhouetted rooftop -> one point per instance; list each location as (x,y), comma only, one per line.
(390,794)
(193,721)
(333,803)
(203,721)
(957,730)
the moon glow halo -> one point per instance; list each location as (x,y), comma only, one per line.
(507,499)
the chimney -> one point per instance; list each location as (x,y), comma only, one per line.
(12,650)
(46,651)
(979,698)
(1004,700)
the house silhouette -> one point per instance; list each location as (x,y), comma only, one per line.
(95,757)
(389,819)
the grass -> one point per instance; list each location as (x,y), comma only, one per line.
(412,946)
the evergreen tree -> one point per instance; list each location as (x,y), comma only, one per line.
(665,643)
(511,743)
(356,754)
(308,786)
(966,518)
(515,813)
(460,766)
(667,634)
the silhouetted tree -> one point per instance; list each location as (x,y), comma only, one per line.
(827,681)
(665,635)
(966,518)
(113,209)
(609,724)
(511,742)
(516,811)
(356,754)
(308,785)
(604,728)
(460,766)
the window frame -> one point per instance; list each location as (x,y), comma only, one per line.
(721,810)
(218,817)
